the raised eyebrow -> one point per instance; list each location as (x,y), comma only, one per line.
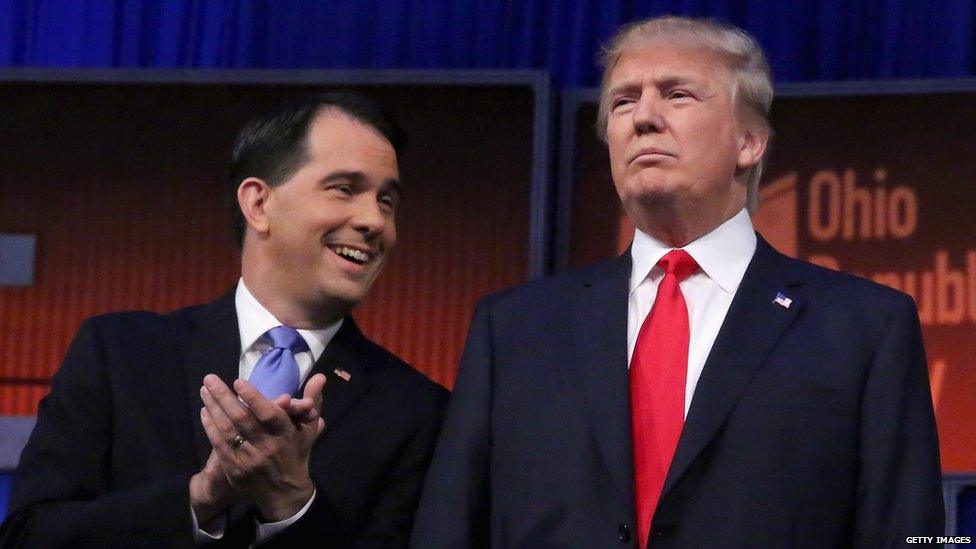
(673,80)
(625,86)
(393,185)
(357,177)
(350,175)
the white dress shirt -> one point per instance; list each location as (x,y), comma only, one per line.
(254,320)
(723,256)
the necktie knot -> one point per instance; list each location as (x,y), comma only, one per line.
(283,337)
(679,263)
(276,372)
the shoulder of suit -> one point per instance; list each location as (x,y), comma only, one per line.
(139,325)
(389,368)
(863,291)
(562,284)
(144,317)
(127,320)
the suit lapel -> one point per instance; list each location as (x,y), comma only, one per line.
(213,346)
(751,328)
(599,313)
(342,354)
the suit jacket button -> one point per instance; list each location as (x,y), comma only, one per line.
(623,533)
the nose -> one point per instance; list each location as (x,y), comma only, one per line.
(369,219)
(648,115)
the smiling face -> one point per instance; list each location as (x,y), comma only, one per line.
(675,142)
(325,233)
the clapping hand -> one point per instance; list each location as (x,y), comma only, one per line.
(261,448)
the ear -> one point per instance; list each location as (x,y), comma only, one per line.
(752,145)
(252,197)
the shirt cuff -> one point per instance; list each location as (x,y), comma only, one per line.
(215,528)
(265,530)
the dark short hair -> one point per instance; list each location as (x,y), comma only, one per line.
(274,145)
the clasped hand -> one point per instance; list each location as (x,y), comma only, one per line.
(270,469)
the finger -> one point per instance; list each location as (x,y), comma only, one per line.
(221,445)
(299,410)
(298,405)
(223,421)
(214,434)
(308,408)
(295,408)
(313,389)
(217,415)
(302,410)
(267,413)
(223,399)
(213,460)
(313,430)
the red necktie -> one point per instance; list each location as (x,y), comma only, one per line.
(658,370)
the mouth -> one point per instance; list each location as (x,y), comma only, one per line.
(352,254)
(651,154)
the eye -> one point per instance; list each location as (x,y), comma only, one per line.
(678,94)
(343,188)
(388,201)
(621,102)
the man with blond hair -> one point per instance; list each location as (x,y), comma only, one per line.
(702,389)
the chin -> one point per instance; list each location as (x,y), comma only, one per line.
(647,184)
(347,298)
(651,198)
(338,297)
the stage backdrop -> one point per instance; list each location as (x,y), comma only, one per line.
(124,185)
(877,184)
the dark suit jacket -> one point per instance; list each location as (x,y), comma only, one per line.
(811,426)
(119,436)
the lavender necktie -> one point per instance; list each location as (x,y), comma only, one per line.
(276,372)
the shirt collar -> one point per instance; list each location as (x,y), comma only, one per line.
(723,254)
(254,320)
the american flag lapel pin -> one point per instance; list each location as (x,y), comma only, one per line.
(346,376)
(782,300)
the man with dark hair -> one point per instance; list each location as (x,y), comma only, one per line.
(702,389)
(130,449)
(272,147)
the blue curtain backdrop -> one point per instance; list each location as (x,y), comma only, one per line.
(805,40)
